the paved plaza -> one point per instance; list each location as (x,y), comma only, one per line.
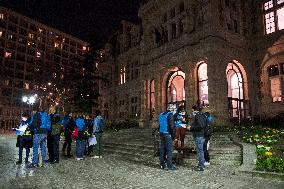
(109,172)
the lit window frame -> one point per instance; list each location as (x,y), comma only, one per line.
(274,72)
(270,16)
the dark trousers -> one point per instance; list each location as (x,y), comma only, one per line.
(99,145)
(21,150)
(166,150)
(50,147)
(67,144)
(180,135)
(206,153)
(56,139)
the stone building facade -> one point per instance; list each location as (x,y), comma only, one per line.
(215,53)
(35,60)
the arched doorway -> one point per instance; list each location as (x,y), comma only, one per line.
(202,85)
(175,90)
(238,105)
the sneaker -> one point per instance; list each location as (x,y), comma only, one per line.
(206,163)
(19,162)
(100,157)
(162,166)
(79,159)
(199,169)
(96,157)
(55,161)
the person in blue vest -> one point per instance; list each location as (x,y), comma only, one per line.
(167,134)
(98,125)
(181,120)
(81,140)
(40,125)
(24,138)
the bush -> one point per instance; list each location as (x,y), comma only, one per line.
(271,164)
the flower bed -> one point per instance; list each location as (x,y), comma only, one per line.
(269,145)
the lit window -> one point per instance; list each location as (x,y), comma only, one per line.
(8,54)
(56,45)
(280,18)
(26,85)
(122,76)
(269,23)
(38,54)
(274,15)
(40,30)
(268,5)
(1,33)
(1,16)
(275,86)
(203,84)
(31,36)
(10,36)
(84,48)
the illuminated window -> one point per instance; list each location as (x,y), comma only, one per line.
(1,16)
(152,99)
(275,87)
(38,54)
(8,55)
(203,84)
(26,85)
(1,33)
(31,35)
(275,82)
(122,75)
(273,15)
(40,30)
(84,48)
(56,45)
(10,36)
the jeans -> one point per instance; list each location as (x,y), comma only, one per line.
(166,150)
(99,145)
(39,140)
(199,142)
(56,139)
(21,150)
(80,148)
(206,153)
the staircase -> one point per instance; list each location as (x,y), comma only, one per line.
(138,145)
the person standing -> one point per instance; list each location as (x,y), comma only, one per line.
(98,132)
(197,128)
(81,140)
(68,126)
(180,120)
(24,138)
(167,134)
(40,125)
(55,134)
(207,136)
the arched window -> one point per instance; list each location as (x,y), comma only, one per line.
(203,85)
(175,89)
(152,99)
(237,104)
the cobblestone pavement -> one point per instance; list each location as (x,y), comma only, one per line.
(112,173)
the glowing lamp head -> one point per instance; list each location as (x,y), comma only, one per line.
(25,99)
(32,100)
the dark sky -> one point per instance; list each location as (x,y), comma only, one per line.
(90,20)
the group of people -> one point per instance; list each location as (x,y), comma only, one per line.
(172,133)
(41,128)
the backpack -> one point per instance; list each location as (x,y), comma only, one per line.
(75,133)
(208,130)
(98,125)
(41,121)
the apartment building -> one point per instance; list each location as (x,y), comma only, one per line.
(38,61)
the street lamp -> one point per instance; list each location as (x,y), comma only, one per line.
(30,100)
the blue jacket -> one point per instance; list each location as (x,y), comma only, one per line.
(80,123)
(166,122)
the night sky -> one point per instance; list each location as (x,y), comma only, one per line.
(90,20)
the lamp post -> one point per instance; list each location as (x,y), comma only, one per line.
(30,100)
